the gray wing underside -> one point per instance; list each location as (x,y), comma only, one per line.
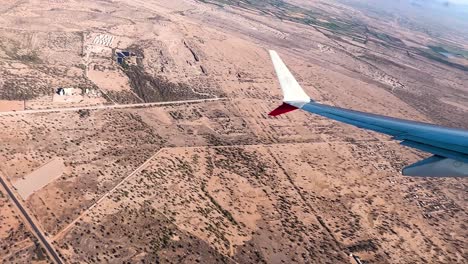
(449,145)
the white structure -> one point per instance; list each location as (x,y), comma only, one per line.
(69,91)
(103,40)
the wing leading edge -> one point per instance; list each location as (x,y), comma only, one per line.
(449,145)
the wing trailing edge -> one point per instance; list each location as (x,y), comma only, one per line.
(437,166)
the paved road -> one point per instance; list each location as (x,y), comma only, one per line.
(114,106)
(36,230)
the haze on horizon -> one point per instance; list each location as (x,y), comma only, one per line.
(440,17)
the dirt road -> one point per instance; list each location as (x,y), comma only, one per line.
(140,168)
(116,106)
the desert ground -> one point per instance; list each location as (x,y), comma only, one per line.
(215,179)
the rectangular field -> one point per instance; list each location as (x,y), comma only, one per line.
(39,178)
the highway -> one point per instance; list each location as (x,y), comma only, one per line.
(50,250)
(112,106)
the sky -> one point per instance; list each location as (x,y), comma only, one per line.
(465,2)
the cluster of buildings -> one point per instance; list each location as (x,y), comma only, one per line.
(69,91)
(432,203)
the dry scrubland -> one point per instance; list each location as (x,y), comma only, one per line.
(223,182)
(221,189)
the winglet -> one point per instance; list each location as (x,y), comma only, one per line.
(294,96)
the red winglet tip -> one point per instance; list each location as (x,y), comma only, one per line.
(282,109)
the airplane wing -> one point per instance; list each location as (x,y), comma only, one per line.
(449,145)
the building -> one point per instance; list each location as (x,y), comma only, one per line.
(122,56)
(68,91)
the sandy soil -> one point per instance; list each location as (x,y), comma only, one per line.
(11,105)
(109,80)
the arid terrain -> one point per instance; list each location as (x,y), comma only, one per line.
(168,155)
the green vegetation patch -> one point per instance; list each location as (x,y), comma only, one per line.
(448,51)
(289,12)
(442,59)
